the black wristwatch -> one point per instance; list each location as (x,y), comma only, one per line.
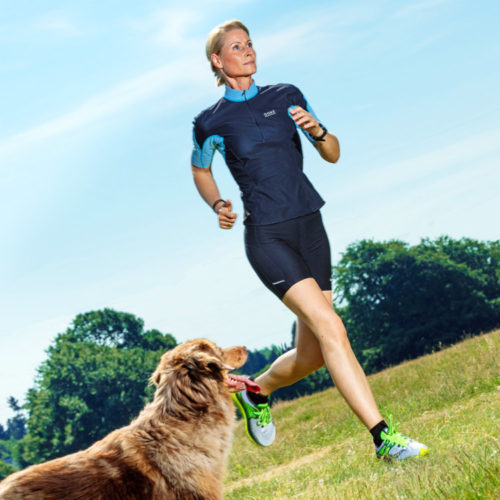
(320,137)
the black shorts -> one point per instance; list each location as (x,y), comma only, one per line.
(287,252)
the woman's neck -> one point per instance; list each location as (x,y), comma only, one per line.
(239,83)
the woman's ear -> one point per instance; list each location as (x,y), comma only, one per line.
(216,61)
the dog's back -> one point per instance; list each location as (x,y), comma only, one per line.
(175,449)
(79,476)
(105,471)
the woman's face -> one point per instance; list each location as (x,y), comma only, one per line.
(237,57)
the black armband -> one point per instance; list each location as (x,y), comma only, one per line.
(320,138)
(214,204)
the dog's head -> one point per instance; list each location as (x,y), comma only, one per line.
(192,376)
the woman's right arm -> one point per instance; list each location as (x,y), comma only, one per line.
(205,183)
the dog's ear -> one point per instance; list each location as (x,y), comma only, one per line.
(165,361)
(155,377)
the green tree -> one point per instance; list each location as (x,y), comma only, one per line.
(95,379)
(5,469)
(110,328)
(401,301)
(16,426)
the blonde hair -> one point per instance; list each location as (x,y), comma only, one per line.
(215,41)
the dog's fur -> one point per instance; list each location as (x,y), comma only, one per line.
(175,449)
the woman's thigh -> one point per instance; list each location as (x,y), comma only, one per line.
(314,308)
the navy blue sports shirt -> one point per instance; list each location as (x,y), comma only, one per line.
(258,139)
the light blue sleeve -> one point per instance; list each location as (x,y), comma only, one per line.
(202,156)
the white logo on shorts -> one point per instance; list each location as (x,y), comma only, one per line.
(269,113)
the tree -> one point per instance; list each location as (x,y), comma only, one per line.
(5,470)
(16,426)
(108,327)
(95,379)
(400,301)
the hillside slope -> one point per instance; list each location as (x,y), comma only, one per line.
(448,400)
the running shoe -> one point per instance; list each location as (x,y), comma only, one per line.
(258,421)
(397,446)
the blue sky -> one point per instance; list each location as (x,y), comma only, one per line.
(97,204)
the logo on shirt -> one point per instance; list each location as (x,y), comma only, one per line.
(269,113)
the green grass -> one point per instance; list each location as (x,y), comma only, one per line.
(448,400)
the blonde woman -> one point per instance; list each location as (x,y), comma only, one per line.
(255,129)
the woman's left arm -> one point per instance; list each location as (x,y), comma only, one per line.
(328,147)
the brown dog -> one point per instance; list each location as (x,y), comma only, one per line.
(175,449)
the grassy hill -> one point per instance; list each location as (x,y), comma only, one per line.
(448,400)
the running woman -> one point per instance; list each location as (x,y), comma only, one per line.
(255,129)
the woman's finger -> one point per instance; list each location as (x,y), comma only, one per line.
(307,123)
(304,119)
(226,222)
(227,219)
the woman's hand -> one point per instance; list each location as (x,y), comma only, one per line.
(306,121)
(227,217)
(328,148)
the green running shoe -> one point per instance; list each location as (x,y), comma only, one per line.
(397,446)
(258,421)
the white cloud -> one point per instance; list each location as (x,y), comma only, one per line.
(170,27)
(124,95)
(429,165)
(175,26)
(449,190)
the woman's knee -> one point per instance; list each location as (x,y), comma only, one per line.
(329,322)
(332,335)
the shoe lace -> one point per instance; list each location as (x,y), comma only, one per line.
(262,413)
(392,435)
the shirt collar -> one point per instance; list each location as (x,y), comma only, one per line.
(241,95)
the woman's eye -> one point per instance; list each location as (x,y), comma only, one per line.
(236,47)
(250,45)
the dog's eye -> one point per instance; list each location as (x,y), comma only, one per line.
(213,367)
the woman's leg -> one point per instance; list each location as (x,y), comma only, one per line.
(292,366)
(321,336)
(326,331)
(308,302)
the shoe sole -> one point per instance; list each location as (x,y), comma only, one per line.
(422,453)
(244,415)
